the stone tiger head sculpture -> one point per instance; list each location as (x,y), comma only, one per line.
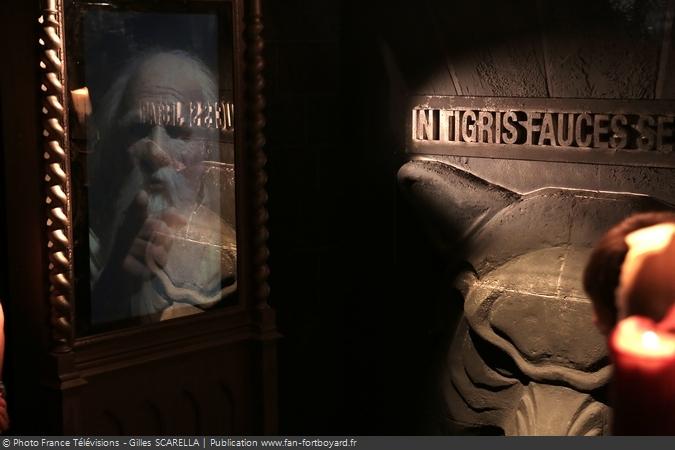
(526,358)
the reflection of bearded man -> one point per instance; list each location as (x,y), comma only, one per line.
(158,245)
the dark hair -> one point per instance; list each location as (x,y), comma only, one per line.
(602,272)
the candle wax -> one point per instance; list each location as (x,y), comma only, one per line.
(643,388)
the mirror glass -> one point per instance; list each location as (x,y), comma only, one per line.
(151,121)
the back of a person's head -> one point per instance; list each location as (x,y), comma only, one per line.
(603,270)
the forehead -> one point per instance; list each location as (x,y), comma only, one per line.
(168,78)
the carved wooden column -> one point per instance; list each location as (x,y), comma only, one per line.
(56,178)
(255,123)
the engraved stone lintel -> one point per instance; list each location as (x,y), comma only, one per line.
(570,130)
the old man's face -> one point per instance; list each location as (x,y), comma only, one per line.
(172,242)
(166,154)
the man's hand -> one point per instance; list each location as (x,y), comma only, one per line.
(152,240)
(141,236)
(138,238)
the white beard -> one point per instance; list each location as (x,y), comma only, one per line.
(176,192)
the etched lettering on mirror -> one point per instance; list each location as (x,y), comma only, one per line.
(219,115)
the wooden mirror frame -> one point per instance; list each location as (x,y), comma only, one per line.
(249,162)
(52,364)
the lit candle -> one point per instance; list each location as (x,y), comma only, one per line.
(643,388)
(647,282)
(642,345)
(81,104)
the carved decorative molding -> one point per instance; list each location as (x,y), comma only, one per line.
(255,139)
(57,175)
(182,405)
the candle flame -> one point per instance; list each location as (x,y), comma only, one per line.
(650,340)
(646,285)
(650,239)
(636,335)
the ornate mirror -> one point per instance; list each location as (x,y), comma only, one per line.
(151,92)
(153,224)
